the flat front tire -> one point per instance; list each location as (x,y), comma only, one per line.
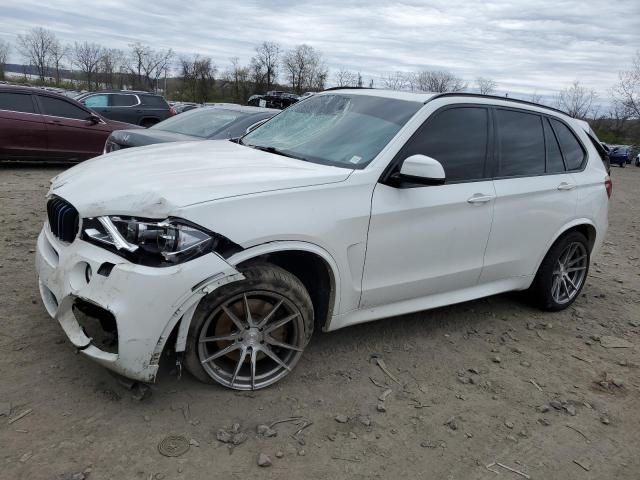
(563,273)
(250,334)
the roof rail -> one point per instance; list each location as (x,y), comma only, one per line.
(347,88)
(494,97)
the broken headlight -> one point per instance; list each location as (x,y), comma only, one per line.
(150,242)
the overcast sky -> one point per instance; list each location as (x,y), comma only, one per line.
(525,46)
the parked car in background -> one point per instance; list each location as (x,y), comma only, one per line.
(181,107)
(136,107)
(273,99)
(210,123)
(348,207)
(620,155)
(41,125)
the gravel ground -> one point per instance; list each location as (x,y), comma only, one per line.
(482,382)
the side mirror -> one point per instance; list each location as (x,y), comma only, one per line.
(94,119)
(421,170)
(251,128)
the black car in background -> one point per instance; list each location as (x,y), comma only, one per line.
(273,99)
(205,123)
(139,108)
(620,155)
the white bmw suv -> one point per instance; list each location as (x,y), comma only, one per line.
(347,207)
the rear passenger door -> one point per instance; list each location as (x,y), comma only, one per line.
(535,194)
(125,107)
(23,134)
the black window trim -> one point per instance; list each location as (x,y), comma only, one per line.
(583,165)
(491,160)
(400,157)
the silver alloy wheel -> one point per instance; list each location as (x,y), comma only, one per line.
(251,340)
(569,273)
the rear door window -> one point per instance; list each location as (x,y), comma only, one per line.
(457,138)
(571,148)
(154,101)
(16,102)
(125,100)
(554,156)
(96,101)
(61,108)
(521,149)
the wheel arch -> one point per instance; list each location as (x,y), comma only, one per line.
(312,264)
(582,225)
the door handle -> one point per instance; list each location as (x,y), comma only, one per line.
(481,198)
(566,186)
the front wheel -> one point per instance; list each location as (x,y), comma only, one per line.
(250,334)
(563,273)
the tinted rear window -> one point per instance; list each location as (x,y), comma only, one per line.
(554,156)
(125,100)
(17,102)
(571,149)
(154,101)
(521,148)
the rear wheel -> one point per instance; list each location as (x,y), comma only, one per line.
(250,334)
(148,122)
(563,273)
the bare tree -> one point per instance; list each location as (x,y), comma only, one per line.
(486,86)
(305,68)
(347,78)
(198,77)
(137,59)
(396,81)
(576,100)
(111,64)
(437,81)
(238,77)
(627,91)
(57,53)
(35,47)
(87,57)
(5,48)
(266,60)
(535,97)
(155,64)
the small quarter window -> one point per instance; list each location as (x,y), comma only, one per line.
(16,102)
(520,144)
(571,149)
(457,138)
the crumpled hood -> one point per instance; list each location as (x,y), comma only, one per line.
(154,181)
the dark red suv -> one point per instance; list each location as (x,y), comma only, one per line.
(42,126)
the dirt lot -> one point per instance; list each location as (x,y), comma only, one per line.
(482,382)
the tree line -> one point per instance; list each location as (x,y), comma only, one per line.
(91,66)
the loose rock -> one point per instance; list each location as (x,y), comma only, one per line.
(341,418)
(264,460)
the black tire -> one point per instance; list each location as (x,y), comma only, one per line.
(259,277)
(148,122)
(540,291)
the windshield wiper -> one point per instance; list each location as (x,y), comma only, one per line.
(276,151)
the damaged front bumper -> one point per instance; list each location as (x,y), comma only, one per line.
(142,304)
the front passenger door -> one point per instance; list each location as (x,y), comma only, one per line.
(431,239)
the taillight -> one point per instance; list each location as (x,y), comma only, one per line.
(608,185)
(171,111)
